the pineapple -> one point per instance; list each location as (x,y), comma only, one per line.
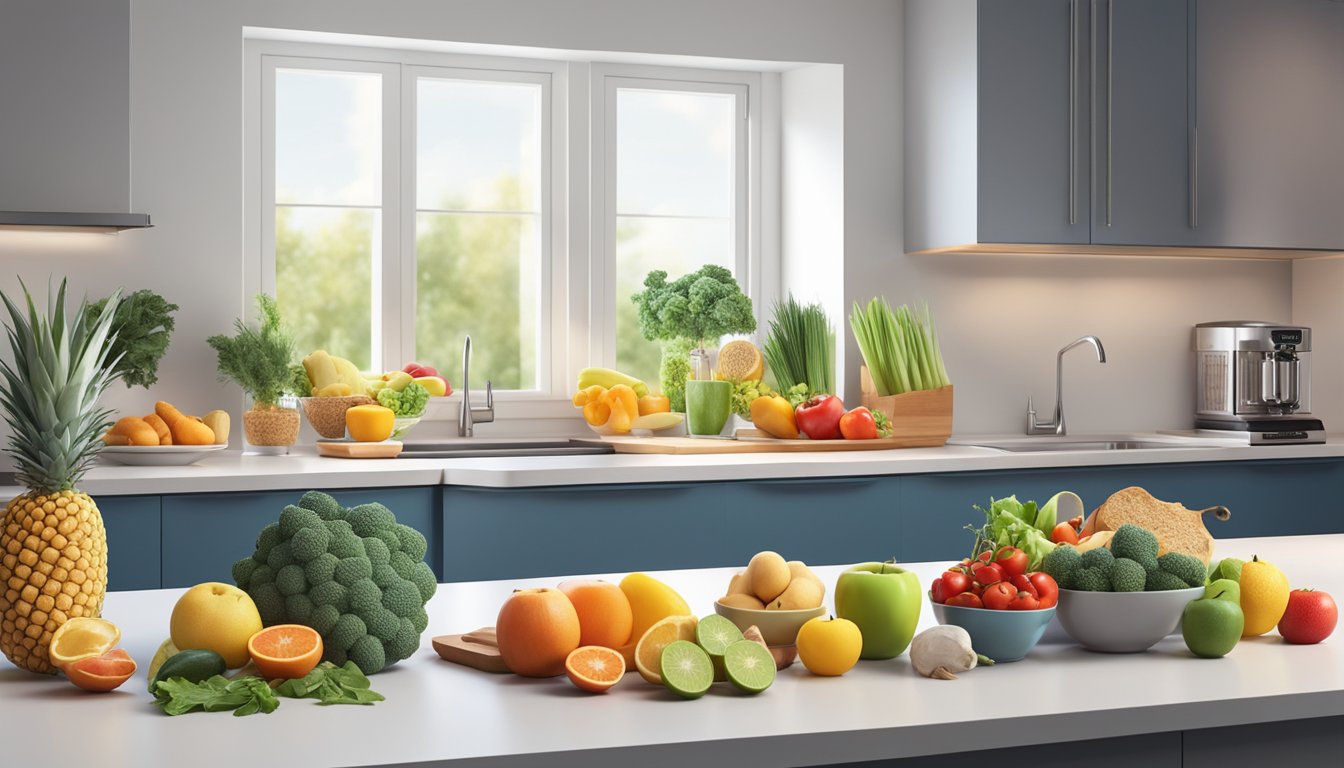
(53,549)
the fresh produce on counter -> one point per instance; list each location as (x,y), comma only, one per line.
(943,652)
(1010,523)
(370,423)
(405,403)
(218,422)
(422,375)
(800,347)
(884,601)
(85,650)
(285,651)
(1129,564)
(1212,625)
(613,409)
(819,417)
(656,422)
(603,610)
(537,629)
(215,617)
(49,389)
(1309,618)
(1177,528)
(858,424)
(769,582)
(1264,596)
(102,673)
(594,668)
(773,415)
(900,348)
(333,376)
(142,324)
(651,404)
(330,684)
(356,576)
(195,665)
(242,696)
(829,646)
(664,632)
(996,580)
(718,651)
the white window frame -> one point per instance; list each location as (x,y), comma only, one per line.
(578,184)
(606,79)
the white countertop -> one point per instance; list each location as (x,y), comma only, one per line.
(302,468)
(436,711)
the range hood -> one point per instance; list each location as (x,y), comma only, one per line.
(61,221)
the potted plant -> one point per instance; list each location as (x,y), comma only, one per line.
(258,360)
(698,308)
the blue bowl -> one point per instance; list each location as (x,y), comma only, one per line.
(1001,635)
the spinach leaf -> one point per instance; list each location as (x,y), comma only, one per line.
(330,684)
(244,696)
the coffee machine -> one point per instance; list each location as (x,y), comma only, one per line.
(1253,381)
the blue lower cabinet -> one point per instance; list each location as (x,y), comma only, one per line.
(134,554)
(555,531)
(1266,498)
(204,534)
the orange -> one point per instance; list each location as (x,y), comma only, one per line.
(101,673)
(604,612)
(81,638)
(829,646)
(650,601)
(594,668)
(285,651)
(536,630)
(649,650)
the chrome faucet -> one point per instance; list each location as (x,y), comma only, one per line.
(1056,426)
(468,417)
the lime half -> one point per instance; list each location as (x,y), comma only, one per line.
(749,666)
(686,669)
(715,633)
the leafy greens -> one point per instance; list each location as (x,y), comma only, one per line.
(244,696)
(330,684)
(1010,523)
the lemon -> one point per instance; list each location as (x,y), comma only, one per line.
(829,647)
(649,651)
(82,638)
(740,360)
(1264,596)
(650,601)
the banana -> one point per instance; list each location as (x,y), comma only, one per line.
(321,370)
(348,374)
(608,378)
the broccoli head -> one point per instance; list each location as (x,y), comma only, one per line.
(1188,569)
(1099,558)
(1061,563)
(1160,581)
(701,306)
(1091,580)
(1136,543)
(1127,576)
(357,576)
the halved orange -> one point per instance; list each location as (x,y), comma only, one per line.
(82,637)
(594,668)
(649,650)
(285,651)
(103,672)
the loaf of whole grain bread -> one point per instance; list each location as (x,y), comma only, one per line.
(1177,529)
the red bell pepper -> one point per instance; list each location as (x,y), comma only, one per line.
(819,418)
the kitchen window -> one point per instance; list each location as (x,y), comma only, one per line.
(405,199)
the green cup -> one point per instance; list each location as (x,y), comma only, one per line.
(708,405)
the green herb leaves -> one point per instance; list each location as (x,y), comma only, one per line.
(257,359)
(330,684)
(141,328)
(900,348)
(801,347)
(701,306)
(244,696)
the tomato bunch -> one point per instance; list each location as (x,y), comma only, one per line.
(997,580)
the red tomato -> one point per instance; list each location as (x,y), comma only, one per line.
(938,591)
(1024,601)
(998,596)
(858,424)
(1047,591)
(977,588)
(956,580)
(819,417)
(1064,533)
(1023,584)
(986,556)
(1011,560)
(987,573)
(966,600)
(1309,618)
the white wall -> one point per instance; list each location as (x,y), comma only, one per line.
(1318,303)
(1001,320)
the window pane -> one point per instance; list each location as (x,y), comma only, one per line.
(479,145)
(674,153)
(479,274)
(328,137)
(324,278)
(677,246)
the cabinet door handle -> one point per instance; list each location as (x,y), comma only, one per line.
(1110,48)
(1194,177)
(1073,110)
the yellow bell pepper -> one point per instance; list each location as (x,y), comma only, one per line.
(589,394)
(773,415)
(624,405)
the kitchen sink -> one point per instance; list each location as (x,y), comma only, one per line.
(1082,443)
(476,447)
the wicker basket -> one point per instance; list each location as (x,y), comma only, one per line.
(327,414)
(271,426)
(923,418)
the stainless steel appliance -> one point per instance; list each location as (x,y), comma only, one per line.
(1253,379)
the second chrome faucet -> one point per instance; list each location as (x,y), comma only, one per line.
(468,416)
(1056,425)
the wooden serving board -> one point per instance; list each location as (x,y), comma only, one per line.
(755,441)
(478,650)
(351,450)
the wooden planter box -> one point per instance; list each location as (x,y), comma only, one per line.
(922,419)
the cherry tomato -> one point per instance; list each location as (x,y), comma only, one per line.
(956,581)
(976,589)
(1047,591)
(986,556)
(1064,533)
(1011,560)
(1024,602)
(987,573)
(998,596)
(966,600)
(1023,584)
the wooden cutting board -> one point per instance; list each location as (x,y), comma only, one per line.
(478,650)
(755,441)
(388,449)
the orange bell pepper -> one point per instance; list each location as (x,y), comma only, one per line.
(654,404)
(774,416)
(624,405)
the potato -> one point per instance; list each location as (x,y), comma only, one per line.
(768,575)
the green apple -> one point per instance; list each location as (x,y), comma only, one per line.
(1211,627)
(883,599)
(1227,568)
(1223,589)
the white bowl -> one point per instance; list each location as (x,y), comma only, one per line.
(1122,622)
(157,455)
(777,627)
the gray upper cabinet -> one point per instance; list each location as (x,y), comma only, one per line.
(1033,128)
(1269,106)
(65,106)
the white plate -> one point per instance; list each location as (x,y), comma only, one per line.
(157,455)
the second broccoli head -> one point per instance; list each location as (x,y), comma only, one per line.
(355,575)
(1128,563)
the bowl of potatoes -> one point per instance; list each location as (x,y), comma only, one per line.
(775,595)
